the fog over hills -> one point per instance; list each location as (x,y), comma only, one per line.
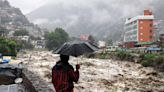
(103,18)
(11,15)
(12,19)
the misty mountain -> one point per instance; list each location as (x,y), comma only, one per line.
(11,14)
(103,19)
(12,19)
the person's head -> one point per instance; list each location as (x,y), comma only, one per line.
(64,58)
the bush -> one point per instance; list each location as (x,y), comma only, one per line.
(159,60)
(147,63)
(123,55)
(103,55)
(149,56)
(152,60)
(8,47)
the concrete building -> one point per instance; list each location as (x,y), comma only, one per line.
(38,43)
(158,28)
(139,29)
(23,38)
(101,44)
(161,42)
(84,37)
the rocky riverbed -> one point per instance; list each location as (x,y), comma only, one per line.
(96,75)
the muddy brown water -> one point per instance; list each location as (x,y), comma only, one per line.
(96,75)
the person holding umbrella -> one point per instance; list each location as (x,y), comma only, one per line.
(63,75)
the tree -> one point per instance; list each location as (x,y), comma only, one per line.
(3,31)
(56,38)
(26,45)
(62,36)
(21,32)
(110,42)
(8,47)
(91,38)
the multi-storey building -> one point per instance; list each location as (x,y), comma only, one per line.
(161,43)
(139,29)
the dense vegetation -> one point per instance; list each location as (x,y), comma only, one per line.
(8,47)
(152,60)
(56,38)
(147,60)
(25,45)
(3,31)
(21,32)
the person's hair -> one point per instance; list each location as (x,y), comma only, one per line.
(64,58)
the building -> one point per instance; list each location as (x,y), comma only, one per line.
(139,29)
(158,28)
(23,38)
(38,43)
(84,37)
(161,42)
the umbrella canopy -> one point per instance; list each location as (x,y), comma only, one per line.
(76,48)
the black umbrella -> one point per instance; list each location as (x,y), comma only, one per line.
(76,48)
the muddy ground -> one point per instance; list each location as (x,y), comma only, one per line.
(96,75)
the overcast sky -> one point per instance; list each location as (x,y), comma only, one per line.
(28,5)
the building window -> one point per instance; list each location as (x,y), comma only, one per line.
(151,37)
(135,27)
(151,25)
(141,22)
(141,39)
(141,33)
(151,31)
(135,21)
(141,27)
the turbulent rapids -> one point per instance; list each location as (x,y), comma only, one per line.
(96,75)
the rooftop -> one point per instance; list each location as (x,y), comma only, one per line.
(142,17)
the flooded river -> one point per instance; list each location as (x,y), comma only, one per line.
(96,75)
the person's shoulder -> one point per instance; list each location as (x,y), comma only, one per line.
(57,65)
(71,67)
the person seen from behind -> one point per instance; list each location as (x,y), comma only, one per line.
(63,75)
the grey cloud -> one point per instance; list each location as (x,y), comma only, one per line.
(100,18)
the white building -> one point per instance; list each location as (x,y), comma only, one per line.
(101,44)
(23,38)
